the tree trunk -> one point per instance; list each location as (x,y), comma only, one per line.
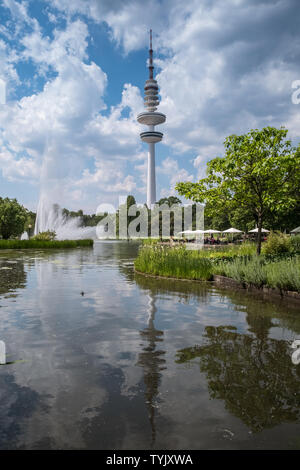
(259,226)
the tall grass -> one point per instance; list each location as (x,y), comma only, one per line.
(235,263)
(173,262)
(27,244)
(229,252)
(283,274)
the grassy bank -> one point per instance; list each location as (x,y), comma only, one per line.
(41,244)
(238,263)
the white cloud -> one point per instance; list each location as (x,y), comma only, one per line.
(216,77)
(60,127)
(170,168)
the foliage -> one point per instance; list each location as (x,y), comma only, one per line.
(276,243)
(260,174)
(87,220)
(295,244)
(46,236)
(237,262)
(41,244)
(283,274)
(229,252)
(150,241)
(243,270)
(170,201)
(13,217)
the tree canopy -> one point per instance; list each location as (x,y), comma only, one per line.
(170,201)
(259,176)
(13,217)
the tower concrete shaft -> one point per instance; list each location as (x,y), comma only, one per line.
(151,180)
(151,118)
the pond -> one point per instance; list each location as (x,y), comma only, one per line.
(99,357)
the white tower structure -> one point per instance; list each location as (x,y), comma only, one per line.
(151,118)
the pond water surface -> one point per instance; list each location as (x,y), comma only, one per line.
(101,358)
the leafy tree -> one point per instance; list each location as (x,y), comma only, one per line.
(169,200)
(13,217)
(260,173)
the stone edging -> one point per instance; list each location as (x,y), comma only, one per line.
(224,281)
(228,282)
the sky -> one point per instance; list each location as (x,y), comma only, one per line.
(74,74)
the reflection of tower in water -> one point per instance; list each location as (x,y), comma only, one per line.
(152,361)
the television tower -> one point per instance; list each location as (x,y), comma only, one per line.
(151,118)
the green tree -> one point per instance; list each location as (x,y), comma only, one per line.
(169,200)
(13,217)
(260,173)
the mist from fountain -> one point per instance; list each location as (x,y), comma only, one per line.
(56,175)
(50,217)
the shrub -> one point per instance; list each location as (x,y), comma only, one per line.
(283,274)
(277,243)
(244,270)
(45,236)
(295,243)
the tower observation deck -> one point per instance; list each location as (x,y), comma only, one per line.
(151,118)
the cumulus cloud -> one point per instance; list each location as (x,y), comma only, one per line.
(170,168)
(61,128)
(218,73)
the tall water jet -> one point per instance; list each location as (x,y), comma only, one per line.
(50,217)
(49,214)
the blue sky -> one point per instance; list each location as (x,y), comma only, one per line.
(75,71)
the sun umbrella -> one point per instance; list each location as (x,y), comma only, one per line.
(255,230)
(212,231)
(232,230)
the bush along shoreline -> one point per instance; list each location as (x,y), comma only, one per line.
(277,268)
(44,244)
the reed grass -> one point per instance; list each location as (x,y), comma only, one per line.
(173,262)
(44,244)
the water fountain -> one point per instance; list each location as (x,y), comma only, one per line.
(50,217)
